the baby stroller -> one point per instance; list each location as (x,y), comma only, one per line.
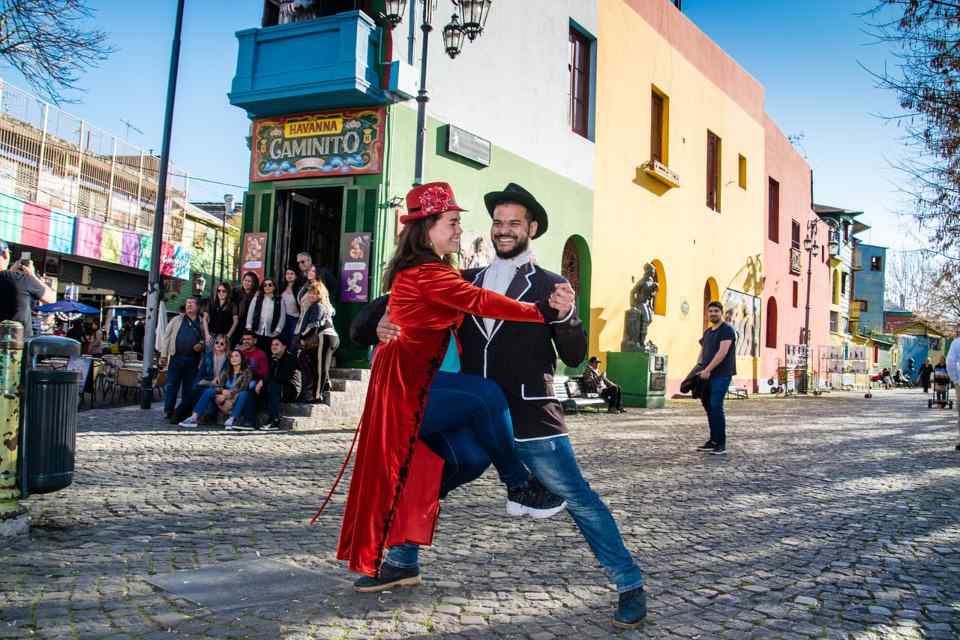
(941,389)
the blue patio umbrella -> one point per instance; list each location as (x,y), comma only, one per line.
(67,306)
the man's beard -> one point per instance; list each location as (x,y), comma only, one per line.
(520,246)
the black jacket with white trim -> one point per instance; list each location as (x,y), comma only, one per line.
(521,357)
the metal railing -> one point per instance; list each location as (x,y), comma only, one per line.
(60,161)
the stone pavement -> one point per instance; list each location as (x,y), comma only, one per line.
(836,517)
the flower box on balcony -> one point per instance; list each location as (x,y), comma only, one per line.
(312,65)
(659,171)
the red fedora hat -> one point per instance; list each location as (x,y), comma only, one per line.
(431,199)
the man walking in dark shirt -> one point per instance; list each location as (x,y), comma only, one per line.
(718,357)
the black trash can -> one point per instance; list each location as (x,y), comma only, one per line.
(48,410)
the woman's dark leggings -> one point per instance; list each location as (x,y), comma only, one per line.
(328,345)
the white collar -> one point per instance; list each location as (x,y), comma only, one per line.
(516,262)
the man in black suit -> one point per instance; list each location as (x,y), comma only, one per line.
(520,358)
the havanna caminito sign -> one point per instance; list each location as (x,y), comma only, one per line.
(325,143)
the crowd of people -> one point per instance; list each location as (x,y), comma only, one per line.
(216,357)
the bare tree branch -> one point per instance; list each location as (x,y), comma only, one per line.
(50,43)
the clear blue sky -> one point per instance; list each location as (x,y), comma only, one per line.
(805,53)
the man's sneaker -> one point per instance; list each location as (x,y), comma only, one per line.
(390,577)
(709,445)
(719,450)
(240,425)
(191,421)
(271,425)
(534,500)
(229,422)
(631,609)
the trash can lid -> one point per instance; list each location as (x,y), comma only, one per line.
(52,346)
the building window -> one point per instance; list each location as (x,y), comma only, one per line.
(876,263)
(864,306)
(843,283)
(834,321)
(659,114)
(773,210)
(794,234)
(713,171)
(796,294)
(579,93)
(742,172)
(771,323)
(846,231)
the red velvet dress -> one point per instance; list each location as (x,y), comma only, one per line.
(394,494)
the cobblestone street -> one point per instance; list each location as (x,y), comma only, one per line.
(834,517)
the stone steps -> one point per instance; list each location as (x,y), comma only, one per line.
(346,404)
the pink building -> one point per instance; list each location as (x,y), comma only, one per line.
(789,183)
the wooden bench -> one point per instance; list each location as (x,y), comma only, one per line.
(738,393)
(572,398)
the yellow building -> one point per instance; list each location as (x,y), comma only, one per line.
(679,183)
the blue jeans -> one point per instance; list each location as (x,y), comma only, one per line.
(205,405)
(277,392)
(289,324)
(467,423)
(713,404)
(553,463)
(181,371)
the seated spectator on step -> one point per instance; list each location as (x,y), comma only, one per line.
(256,359)
(596,381)
(227,396)
(283,383)
(259,363)
(211,365)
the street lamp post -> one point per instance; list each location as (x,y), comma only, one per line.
(470,22)
(153,287)
(810,245)
(227,210)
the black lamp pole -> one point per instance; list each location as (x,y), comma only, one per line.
(422,97)
(153,288)
(473,16)
(811,246)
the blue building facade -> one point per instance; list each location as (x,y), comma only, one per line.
(870,286)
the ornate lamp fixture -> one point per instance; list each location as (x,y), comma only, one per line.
(453,37)
(473,16)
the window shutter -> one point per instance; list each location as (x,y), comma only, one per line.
(773,210)
(711,177)
(656,127)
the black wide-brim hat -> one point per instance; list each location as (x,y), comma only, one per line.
(515,193)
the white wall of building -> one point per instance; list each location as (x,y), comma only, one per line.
(511,84)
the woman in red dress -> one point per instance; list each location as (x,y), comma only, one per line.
(394,492)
